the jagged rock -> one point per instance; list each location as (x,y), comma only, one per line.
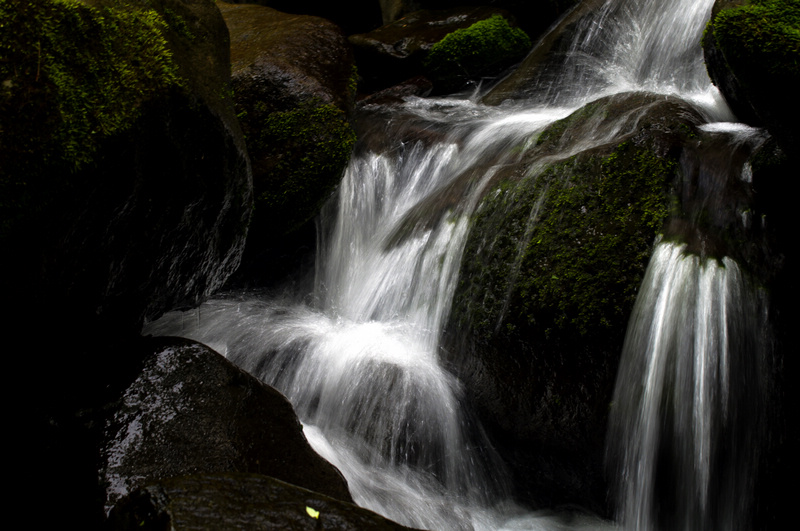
(294,87)
(239,501)
(190,411)
(557,252)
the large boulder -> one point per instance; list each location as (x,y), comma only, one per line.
(190,411)
(557,251)
(294,87)
(752,52)
(356,17)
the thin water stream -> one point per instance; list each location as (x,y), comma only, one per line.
(357,353)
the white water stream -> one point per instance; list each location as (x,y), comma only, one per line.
(357,355)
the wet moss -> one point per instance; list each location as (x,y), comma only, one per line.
(302,153)
(484,48)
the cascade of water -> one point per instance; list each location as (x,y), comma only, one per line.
(360,363)
(690,394)
(625,45)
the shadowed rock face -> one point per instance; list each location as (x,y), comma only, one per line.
(395,52)
(190,411)
(126,191)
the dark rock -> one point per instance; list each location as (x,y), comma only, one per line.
(468,55)
(751,51)
(239,501)
(125,190)
(557,252)
(294,86)
(190,411)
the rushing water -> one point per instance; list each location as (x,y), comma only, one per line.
(357,353)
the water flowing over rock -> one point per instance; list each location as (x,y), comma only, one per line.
(455,356)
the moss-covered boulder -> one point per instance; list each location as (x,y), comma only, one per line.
(752,52)
(395,52)
(125,183)
(483,49)
(557,251)
(294,86)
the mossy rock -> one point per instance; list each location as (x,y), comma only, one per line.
(752,51)
(294,82)
(104,106)
(395,52)
(485,48)
(556,252)
(300,155)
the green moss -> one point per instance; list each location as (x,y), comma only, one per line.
(762,37)
(72,75)
(563,251)
(483,48)
(299,156)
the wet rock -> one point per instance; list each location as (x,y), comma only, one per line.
(238,501)
(190,411)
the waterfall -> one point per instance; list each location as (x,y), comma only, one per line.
(690,396)
(357,355)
